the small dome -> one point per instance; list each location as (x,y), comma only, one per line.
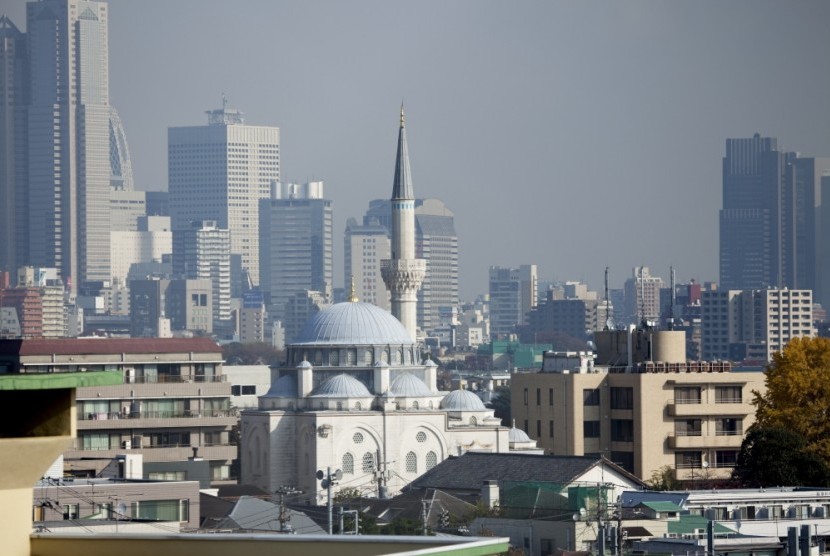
(408,385)
(353,323)
(430,363)
(517,435)
(304,365)
(341,386)
(462,400)
(284,387)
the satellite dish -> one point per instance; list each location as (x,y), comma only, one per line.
(338,475)
(324,483)
(320,474)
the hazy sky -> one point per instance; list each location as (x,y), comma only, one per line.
(573,135)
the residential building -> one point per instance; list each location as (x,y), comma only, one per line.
(649,410)
(252,317)
(202,252)
(513,293)
(296,242)
(219,172)
(160,306)
(742,325)
(642,297)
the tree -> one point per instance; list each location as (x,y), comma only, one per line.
(664,479)
(254,353)
(778,456)
(797,393)
(501,404)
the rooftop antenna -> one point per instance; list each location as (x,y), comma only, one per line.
(642,299)
(671,299)
(609,321)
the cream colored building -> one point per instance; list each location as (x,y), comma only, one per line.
(689,416)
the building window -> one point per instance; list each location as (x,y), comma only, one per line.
(726,458)
(728,394)
(688,460)
(525,427)
(622,430)
(421,436)
(357,438)
(590,396)
(688,427)
(70,511)
(525,398)
(538,429)
(368,462)
(729,426)
(348,463)
(591,429)
(550,429)
(538,396)
(624,460)
(411,462)
(687,394)
(622,398)
(550,397)
(432,460)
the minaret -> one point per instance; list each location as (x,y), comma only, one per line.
(403,273)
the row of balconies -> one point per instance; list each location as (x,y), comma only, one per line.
(729,407)
(708,441)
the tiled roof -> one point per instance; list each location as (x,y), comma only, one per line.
(469,471)
(100,346)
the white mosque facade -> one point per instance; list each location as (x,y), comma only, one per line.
(354,396)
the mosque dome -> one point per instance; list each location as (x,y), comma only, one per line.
(408,385)
(284,387)
(341,386)
(353,323)
(462,400)
(515,435)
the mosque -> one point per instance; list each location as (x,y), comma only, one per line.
(355,401)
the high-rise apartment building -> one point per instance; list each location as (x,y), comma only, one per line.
(435,242)
(202,251)
(296,241)
(219,172)
(642,296)
(769,225)
(364,246)
(513,293)
(753,324)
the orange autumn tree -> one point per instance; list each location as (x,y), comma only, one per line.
(798,393)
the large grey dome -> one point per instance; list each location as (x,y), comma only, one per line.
(462,400)
(284,387)
(353,323)
(408,385)
(341,386)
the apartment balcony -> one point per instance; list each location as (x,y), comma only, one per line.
(683,441)
(691,409)
(158,419)
(158,453)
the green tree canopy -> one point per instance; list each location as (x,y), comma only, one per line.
(797,396)
(501,404)
(778,456)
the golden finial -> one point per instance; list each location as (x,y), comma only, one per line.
(353,293)
(402,115)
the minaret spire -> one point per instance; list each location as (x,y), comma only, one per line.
(403,273)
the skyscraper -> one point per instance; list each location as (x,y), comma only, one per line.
(13,99)
(296,235)
(403,273)
(769,231)
(69,166)
(220,172)
(364,247)
(513,293)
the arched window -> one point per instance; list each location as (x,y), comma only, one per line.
(411,462)
(421,436)
(368,462)
(357,438)
(358,406)
(473,421)
(432,460)
(348,463)
(415,405)
(339,406)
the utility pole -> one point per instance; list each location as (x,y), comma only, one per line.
(381,476)
(285,515)
(327,479)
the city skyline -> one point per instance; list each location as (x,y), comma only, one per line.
(604,120)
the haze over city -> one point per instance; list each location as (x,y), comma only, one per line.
(571,135)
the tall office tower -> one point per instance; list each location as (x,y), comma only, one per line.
(202,251)
(364,246)
(296,237)
(513,294)
(769,231)
(13,166)
(753,324)
(642,296)
(403,273)
(69,119)
(220,172)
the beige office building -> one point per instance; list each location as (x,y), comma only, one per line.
(689,416)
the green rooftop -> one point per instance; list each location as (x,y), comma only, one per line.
(689,524)
(55,381)
(663,506)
